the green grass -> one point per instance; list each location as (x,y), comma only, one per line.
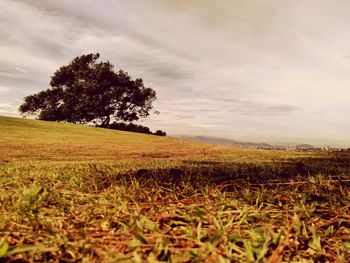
(70,193)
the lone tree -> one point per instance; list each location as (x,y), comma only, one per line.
(89,91)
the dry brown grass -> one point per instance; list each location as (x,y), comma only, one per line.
(76,194)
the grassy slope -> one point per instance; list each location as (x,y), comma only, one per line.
(38,145)
(38,140)
(82,193)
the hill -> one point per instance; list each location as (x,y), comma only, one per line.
(235,143)
(38,144)
(71,193)
(226,142)
(24,139)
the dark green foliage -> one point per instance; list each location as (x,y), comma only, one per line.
(128,127)
(160,133)
(132,128)
(89,91)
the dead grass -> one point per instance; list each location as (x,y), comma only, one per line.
(76,194)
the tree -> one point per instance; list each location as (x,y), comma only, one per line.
(87,91)
(160,133)
(128,127)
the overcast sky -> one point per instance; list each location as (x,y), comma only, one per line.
(258,70)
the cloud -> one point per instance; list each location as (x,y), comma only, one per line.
(254,67)
(7,108)
(212,126)
(185,117)
(4,90)
(253,108)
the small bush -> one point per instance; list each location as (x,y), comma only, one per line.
(160,133)
(122,126)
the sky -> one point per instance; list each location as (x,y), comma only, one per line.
(258,70)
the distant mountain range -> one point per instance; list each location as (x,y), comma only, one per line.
(229,142)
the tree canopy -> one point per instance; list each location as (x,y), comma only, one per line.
(86,91)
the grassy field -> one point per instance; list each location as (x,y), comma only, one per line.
(70,193)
